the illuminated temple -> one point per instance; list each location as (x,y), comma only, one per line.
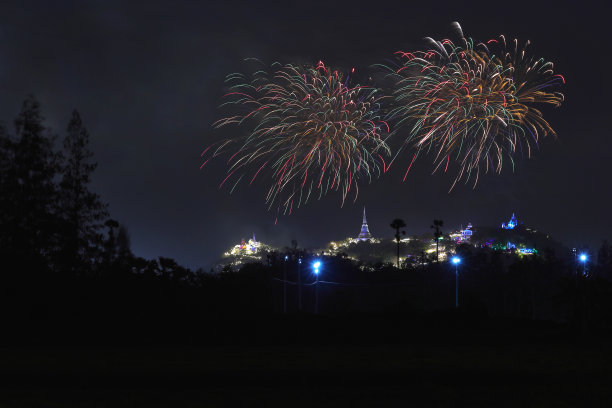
(511,224)
(245,248)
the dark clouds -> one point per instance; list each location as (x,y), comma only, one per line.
(148,79)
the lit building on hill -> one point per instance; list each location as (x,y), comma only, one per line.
(466,234)
(364,234)
(245,248)
(247,251)
(511,224)
(462,235)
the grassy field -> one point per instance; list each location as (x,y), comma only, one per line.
(301,376)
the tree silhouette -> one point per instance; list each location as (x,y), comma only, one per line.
(437,234)
(604,260)
(29,192)
(110,244)
(7,188)
(124,250)
(82,211)
(169,269)
(397,224)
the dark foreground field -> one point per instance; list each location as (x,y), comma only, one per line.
(523,375)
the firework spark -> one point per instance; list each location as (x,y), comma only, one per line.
(309,132)
(473,104)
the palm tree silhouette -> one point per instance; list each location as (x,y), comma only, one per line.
(397,224)
(437,233)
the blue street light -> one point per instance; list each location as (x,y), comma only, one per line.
(583,258)
(456,261)
(316,266)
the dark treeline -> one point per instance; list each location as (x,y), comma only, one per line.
(51,221)
(68,273)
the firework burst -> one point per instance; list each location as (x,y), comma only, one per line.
(473,104)
(309,132)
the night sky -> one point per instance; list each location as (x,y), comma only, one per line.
(148,81)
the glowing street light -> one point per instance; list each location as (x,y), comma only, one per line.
(456,261)
(316,265)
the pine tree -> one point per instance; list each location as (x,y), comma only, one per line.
(30,191)
(7,150)
(109,255)
(604,259)
(82,210)
(124,250)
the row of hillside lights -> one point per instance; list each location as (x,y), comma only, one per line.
(455,260)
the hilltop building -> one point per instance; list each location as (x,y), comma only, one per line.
(467,232)
(245,248)
(247,251)
(462,235)
(364,234)
(511,224)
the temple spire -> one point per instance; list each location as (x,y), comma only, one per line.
(365,231)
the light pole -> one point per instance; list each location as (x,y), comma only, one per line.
(456,260)
(316,266)
(285,285)
(583,258)
(299,279)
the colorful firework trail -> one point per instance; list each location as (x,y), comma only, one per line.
(310,132)
(473,103)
